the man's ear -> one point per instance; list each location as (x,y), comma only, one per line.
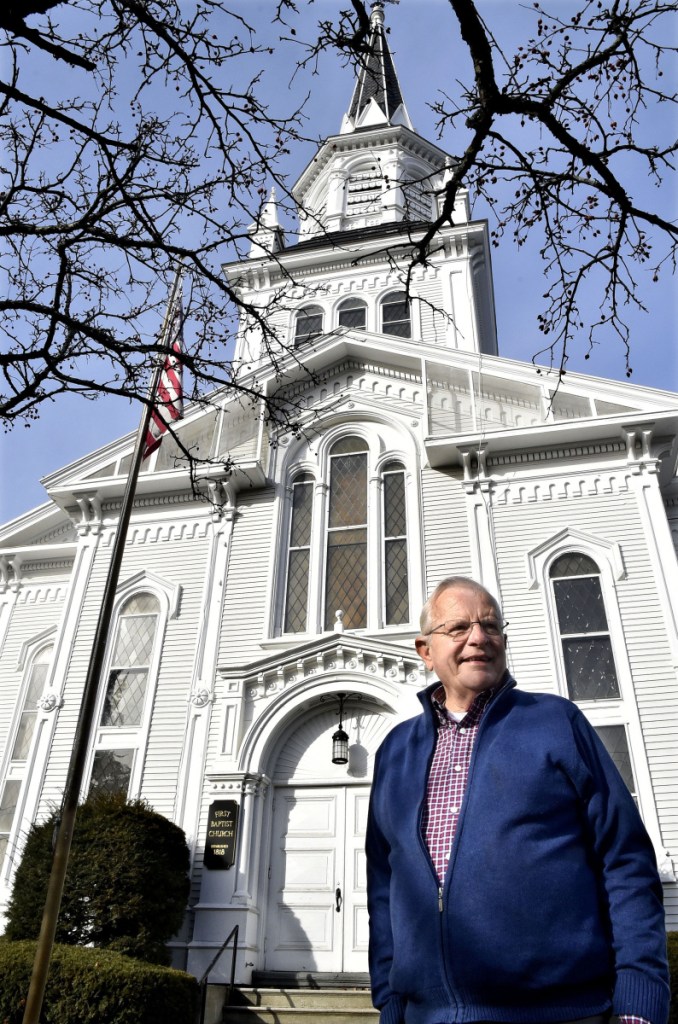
(423,650)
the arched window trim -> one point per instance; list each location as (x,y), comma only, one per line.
(351,297)
(133,737)
(608,558)
(316,308)
(20,770)
(30,648)
(297,462)
(622,710)
(393,291)
(608,601)
(570,539)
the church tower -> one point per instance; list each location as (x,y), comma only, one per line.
(364,199)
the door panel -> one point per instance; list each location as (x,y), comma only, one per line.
(355,937)
(317,848)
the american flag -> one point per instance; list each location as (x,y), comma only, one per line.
(169,397)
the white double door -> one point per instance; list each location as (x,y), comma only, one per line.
(317,908)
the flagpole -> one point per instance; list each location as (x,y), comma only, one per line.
(69,806)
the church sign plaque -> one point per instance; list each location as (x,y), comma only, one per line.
(222,830)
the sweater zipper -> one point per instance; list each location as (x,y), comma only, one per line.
(450,866)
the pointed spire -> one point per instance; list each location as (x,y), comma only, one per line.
(377,98)
(266,234)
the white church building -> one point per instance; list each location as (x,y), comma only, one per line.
(244,625)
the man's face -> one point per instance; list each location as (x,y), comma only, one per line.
(472,663)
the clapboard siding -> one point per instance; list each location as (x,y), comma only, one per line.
(176,552)
(518,529)
(432,318)
(445,525)
(248,582)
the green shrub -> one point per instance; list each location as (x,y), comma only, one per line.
(673,968)
(126,886)
(95,986)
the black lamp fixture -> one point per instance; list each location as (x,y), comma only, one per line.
(340,738)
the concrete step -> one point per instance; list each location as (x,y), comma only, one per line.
(300,1006)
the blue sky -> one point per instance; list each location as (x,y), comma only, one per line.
(429,57)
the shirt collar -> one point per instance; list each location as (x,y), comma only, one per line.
(472,715)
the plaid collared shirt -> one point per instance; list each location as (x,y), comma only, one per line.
(448,775)
(447,784)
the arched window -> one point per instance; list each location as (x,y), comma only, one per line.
(122,721)
(395,315)
(299,555)
(309,325)
(397,606)
(354,558)
(585,638)
(346,574)
(32,687)
(352,313)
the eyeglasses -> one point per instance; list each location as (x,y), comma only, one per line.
(459,630)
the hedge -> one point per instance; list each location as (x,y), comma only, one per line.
(96,986)
(126,886)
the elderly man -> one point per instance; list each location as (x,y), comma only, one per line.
(509,874)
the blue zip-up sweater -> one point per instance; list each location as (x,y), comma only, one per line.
(551,909)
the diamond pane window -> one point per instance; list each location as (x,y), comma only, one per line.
(395,545)
(309,325)
(298,562)
(615,742)
(395,315)
(111,771)
(353,313)
(128,674)
(346,582)
(587,647)
(347,578)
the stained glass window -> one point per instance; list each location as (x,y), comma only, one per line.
(395,315)
(309,325)
(360,568)
(395,545)
(587,648)
(299,557)
(346,582)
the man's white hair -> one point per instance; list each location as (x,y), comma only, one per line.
(426,623)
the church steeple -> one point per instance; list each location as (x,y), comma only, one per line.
(377,98)
(377,171)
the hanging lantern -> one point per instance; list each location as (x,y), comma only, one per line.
(340,746)
(340,738)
